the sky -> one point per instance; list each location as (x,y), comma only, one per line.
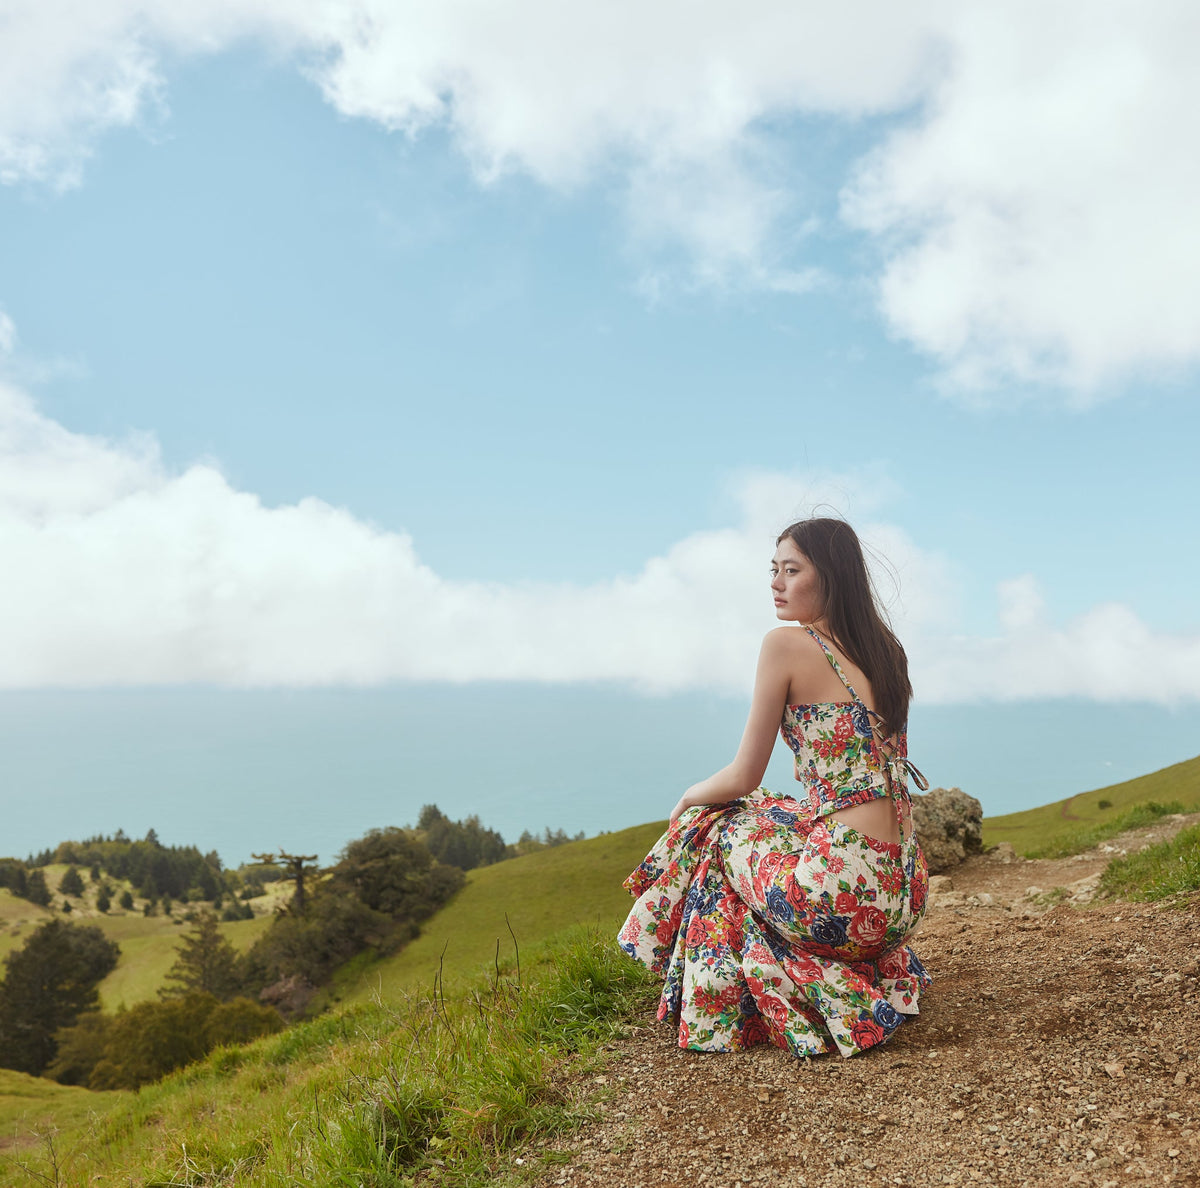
(399,402)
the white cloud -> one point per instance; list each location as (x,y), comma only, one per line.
(1040,214)
(1033,194)
(119,572)
(1105,654)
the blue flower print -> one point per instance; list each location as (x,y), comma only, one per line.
(779,907)
(886,1015)
(861,719)
(828,930)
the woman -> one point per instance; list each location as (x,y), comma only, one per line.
(778,918)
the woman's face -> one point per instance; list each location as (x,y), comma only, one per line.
(795,585)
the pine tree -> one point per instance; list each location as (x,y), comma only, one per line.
(37,891)
(103,903)
(71,883)
(206,961)
(126,900)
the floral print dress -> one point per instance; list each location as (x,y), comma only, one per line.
(772,923)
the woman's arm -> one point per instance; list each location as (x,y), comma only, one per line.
(745,773)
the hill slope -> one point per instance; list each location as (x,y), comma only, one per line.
(1037,827)
(540,893)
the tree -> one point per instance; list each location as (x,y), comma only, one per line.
(103,903)
(205,961)
(392,871)
(126,900)
(37,891)
(71,883)
(465,844)
(48,983)
(297,867)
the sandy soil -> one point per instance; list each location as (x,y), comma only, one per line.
(1059,1044)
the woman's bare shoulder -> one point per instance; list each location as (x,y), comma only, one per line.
(793,643)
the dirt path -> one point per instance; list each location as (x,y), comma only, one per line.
(1058,1045)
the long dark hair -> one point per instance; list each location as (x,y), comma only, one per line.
(852,612)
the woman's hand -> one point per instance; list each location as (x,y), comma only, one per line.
(685,802)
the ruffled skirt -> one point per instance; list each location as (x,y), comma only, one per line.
(770,928)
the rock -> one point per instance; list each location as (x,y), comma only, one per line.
(1003,852)
(940,883)
(948,899)
(949,826)
(1084,890)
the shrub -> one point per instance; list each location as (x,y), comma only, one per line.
(126,900)
(103,903)
(152,1039)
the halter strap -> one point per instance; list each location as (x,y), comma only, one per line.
(832,660)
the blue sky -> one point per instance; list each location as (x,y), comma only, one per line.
(404,364)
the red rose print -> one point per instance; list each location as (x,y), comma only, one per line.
(846,901)
(795,894)
(836,864)
(918,888)
(803,970)
(891,880)
(865,1033)
(868,926)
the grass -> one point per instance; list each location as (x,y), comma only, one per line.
(446,1083)
(28,1102)
(1078,839)
(1041,828)
(1169,868)
(536,895)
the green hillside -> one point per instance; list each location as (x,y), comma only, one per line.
(148,943)
(1037,828)
(541,894)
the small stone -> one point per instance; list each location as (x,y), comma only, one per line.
(1115,1069)
(1172,1152)
(957,1116)
(1181,1078)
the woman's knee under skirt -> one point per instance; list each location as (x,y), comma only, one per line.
(768,928)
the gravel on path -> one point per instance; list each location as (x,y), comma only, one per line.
(1058,1045)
